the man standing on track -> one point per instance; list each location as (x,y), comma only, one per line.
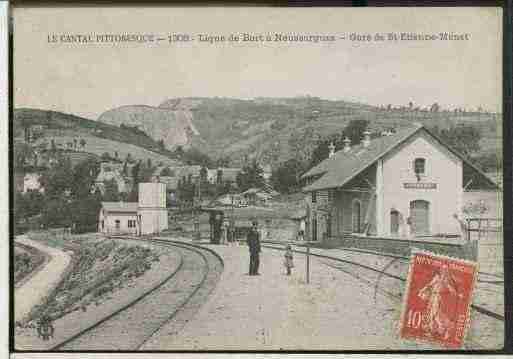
(253,240)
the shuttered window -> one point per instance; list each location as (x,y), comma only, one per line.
(420,166)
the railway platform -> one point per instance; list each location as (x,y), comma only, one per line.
(273,311)
(342,308)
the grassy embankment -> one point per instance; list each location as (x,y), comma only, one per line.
(98,268)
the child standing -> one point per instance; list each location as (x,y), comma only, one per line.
(288,262)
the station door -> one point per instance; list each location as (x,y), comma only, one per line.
(419,216)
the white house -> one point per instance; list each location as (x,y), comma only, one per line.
(31,182)
(407,183)
(147,216)
(118,218)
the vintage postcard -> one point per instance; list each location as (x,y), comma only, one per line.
(256,178)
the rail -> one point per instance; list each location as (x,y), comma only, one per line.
(477,308)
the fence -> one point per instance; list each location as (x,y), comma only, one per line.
(483,228)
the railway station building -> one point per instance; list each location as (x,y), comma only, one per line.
(147,216)
(399,185)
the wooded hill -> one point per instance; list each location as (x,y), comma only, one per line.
(98,138)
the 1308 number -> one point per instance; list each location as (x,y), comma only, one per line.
(179,37)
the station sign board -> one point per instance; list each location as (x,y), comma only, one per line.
(420,185)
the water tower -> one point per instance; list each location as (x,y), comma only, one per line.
(152,211)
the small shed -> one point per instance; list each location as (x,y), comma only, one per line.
(239,219)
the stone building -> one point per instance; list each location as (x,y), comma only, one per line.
(147,216)
(403,184)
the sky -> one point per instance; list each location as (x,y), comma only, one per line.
(88,79)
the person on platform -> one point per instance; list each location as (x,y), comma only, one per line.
(462,226)
(253,240)
(289,259)
(224,231)
(301,231)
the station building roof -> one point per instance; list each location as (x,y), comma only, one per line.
(124,207)
(343,166)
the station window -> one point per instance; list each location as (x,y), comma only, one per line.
(420,166)
(131,223)
(118,223)
(314,197)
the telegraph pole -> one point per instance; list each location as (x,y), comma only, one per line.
(308,263)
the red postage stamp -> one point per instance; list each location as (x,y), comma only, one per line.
(436,303)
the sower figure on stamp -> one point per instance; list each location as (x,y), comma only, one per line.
(438,322)
(253,240)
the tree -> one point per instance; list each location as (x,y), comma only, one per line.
(57,179)
(490,162)
(28,204)
(84,213)
(124,171)
(223,162)
(84,177)
(23,153)
(354,131)
(146,171)
(203,174)
(105,156)
(167,172)
(434,107)
(286,177)
(463,138)
(179,152)
(219,176)
(195,157)
(111,191)
(141,172)
(56,212)
(250,176)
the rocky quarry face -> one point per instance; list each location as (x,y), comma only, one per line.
(172,125)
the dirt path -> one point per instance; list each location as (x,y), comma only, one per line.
(39,285)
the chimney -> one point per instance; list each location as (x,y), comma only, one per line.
(366,138)
(347,144)
(331,147)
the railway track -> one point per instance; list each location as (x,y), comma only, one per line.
(400,258)
(391,284)
(137,325)
(380,271)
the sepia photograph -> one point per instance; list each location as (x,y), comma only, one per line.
(256,179)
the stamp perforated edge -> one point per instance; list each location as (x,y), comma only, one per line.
(399,327)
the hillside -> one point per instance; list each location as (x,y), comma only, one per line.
(271,130)
(98,137)
(276,129)
(174,127)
